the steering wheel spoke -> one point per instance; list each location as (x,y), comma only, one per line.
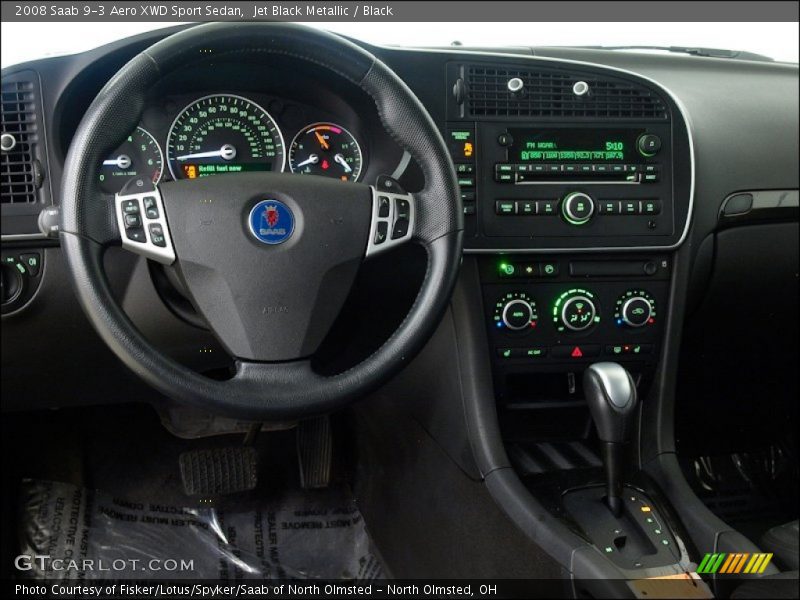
(142,221)
(393,220)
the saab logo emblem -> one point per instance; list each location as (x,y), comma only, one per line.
(734,562)
(271,222)
(271,213)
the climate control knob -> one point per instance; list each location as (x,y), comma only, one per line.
(575,310)
(577,208)
(515,311)
(635,308)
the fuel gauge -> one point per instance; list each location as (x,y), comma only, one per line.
(326,149)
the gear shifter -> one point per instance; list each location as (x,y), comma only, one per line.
(611,395)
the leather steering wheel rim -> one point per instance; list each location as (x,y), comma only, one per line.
(258,390)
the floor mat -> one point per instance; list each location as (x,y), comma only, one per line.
(92,535)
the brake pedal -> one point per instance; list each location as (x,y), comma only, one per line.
(315,452)
(219,471)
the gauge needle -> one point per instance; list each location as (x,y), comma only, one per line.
(322,141)
(227,152)
(340,159)
(123,161)
(311,160)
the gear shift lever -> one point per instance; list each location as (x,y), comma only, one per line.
(611,395)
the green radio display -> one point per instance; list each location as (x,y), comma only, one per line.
(572,145)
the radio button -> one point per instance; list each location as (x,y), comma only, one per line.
(547,207)
(651,207)
(630,207)
(505,207)
(608,207)
(526,207)
(650,177)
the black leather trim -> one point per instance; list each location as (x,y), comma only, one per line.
(259,390)
(784,541)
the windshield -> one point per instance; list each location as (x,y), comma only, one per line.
(29,41)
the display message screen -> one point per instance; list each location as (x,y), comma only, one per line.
(573,145)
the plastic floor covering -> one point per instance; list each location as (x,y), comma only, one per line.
(91,535)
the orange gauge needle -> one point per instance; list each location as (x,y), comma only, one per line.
(321,140)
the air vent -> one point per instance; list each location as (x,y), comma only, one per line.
(544,93)
(20,171)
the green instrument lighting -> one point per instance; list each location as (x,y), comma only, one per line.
(507,269)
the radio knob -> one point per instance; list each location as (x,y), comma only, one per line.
(518,314)
(577,208)
(649,144)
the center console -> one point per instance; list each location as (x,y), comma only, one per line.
(577,184)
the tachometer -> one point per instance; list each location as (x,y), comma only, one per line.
(223,133)
(139,154)
(326,149)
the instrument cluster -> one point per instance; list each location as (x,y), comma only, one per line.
(229,133)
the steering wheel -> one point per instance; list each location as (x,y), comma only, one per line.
(267,258)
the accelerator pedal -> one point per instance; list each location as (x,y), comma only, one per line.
(315,452)
(219,471)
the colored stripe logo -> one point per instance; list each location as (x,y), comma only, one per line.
(734,562)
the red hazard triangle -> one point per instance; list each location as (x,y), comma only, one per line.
(576,352)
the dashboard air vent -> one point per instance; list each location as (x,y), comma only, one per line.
(20,171)
(511,92)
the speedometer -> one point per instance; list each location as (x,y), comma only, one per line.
(223,133)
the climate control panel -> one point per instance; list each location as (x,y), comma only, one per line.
(562,310)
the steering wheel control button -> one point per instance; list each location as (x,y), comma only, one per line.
(577,208)
(136,234)
(145,233)
(634,309)
(137,185)
(400,228)
(271,222)
(130,207)
(150,208)
(381,232)
(157,235)
(648,144)
(403,208)
(575,310)
(384,206)
(392,220)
